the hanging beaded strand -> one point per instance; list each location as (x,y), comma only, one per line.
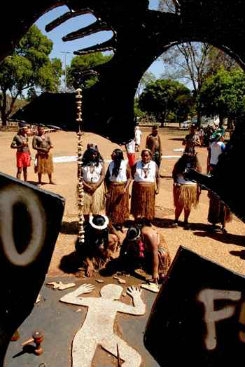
(80,190)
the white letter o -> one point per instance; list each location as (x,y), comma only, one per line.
(9,196)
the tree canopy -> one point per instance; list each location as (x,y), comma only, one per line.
(28,68)
(164,97)
(223,94)
(79,64)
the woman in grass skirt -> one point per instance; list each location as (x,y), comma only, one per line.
(186,193)
(145,187)
(118,178)
(93,172)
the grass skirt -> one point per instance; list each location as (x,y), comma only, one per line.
(186,196)
(218,211)
(143,200)
(94,203)
(117,203)
(44,164)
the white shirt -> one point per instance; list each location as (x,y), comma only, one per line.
(92,173)
(145,172)
(138,134)
(130,146)
(216,148)
(122,175)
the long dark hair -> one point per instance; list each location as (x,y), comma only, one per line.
(87,157)
(186,161)
(117,159)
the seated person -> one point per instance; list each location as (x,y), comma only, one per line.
(147,249)
(99,246)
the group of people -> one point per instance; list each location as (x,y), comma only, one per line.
(107,191)
(186,193)
(41,143)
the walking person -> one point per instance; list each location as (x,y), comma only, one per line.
(117,179)
(23,155)
(130,149)
(186,193)
(44,159)
(153,143)
(218,212)
(93,173)
(145,186)
(191,140)
(137,138)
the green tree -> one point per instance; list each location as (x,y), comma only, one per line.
(28,68)
(80,64)
(223,94)
(165,96)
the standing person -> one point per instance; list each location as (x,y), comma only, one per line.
(93,173)
(146,185)
(153,143)
(117,179)
(145,248)
(191,140)
(137,138)
(218,211)
(130,149)
(186,193)
(44,159)
(23,155)
(216,147)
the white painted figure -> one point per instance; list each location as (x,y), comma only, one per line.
(98,327)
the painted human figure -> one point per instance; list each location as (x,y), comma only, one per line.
(98,327)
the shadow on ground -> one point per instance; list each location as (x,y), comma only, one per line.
(163,222)
(241,254)
(71,264)
(69,227)
(228,238)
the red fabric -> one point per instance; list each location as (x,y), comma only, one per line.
(141,249)
(131,159)
(23,159)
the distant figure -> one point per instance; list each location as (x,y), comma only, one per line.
(153,142)
(137,138)
(130,149)
(218,211)
(117,179)
(145,186)
(201,136)
(99,246)
(44,159)
(98,327)
(186,193)
(93,172)
(23,155)
(145,248)
(191,140)
(216,147)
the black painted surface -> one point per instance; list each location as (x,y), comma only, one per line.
(176,331)
(20,284)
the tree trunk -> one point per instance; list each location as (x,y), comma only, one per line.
(221,120)
(230,123)
(199,118)
(4,108)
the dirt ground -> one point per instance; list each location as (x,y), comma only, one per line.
(224,249)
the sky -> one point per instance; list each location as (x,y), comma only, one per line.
(64,50)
